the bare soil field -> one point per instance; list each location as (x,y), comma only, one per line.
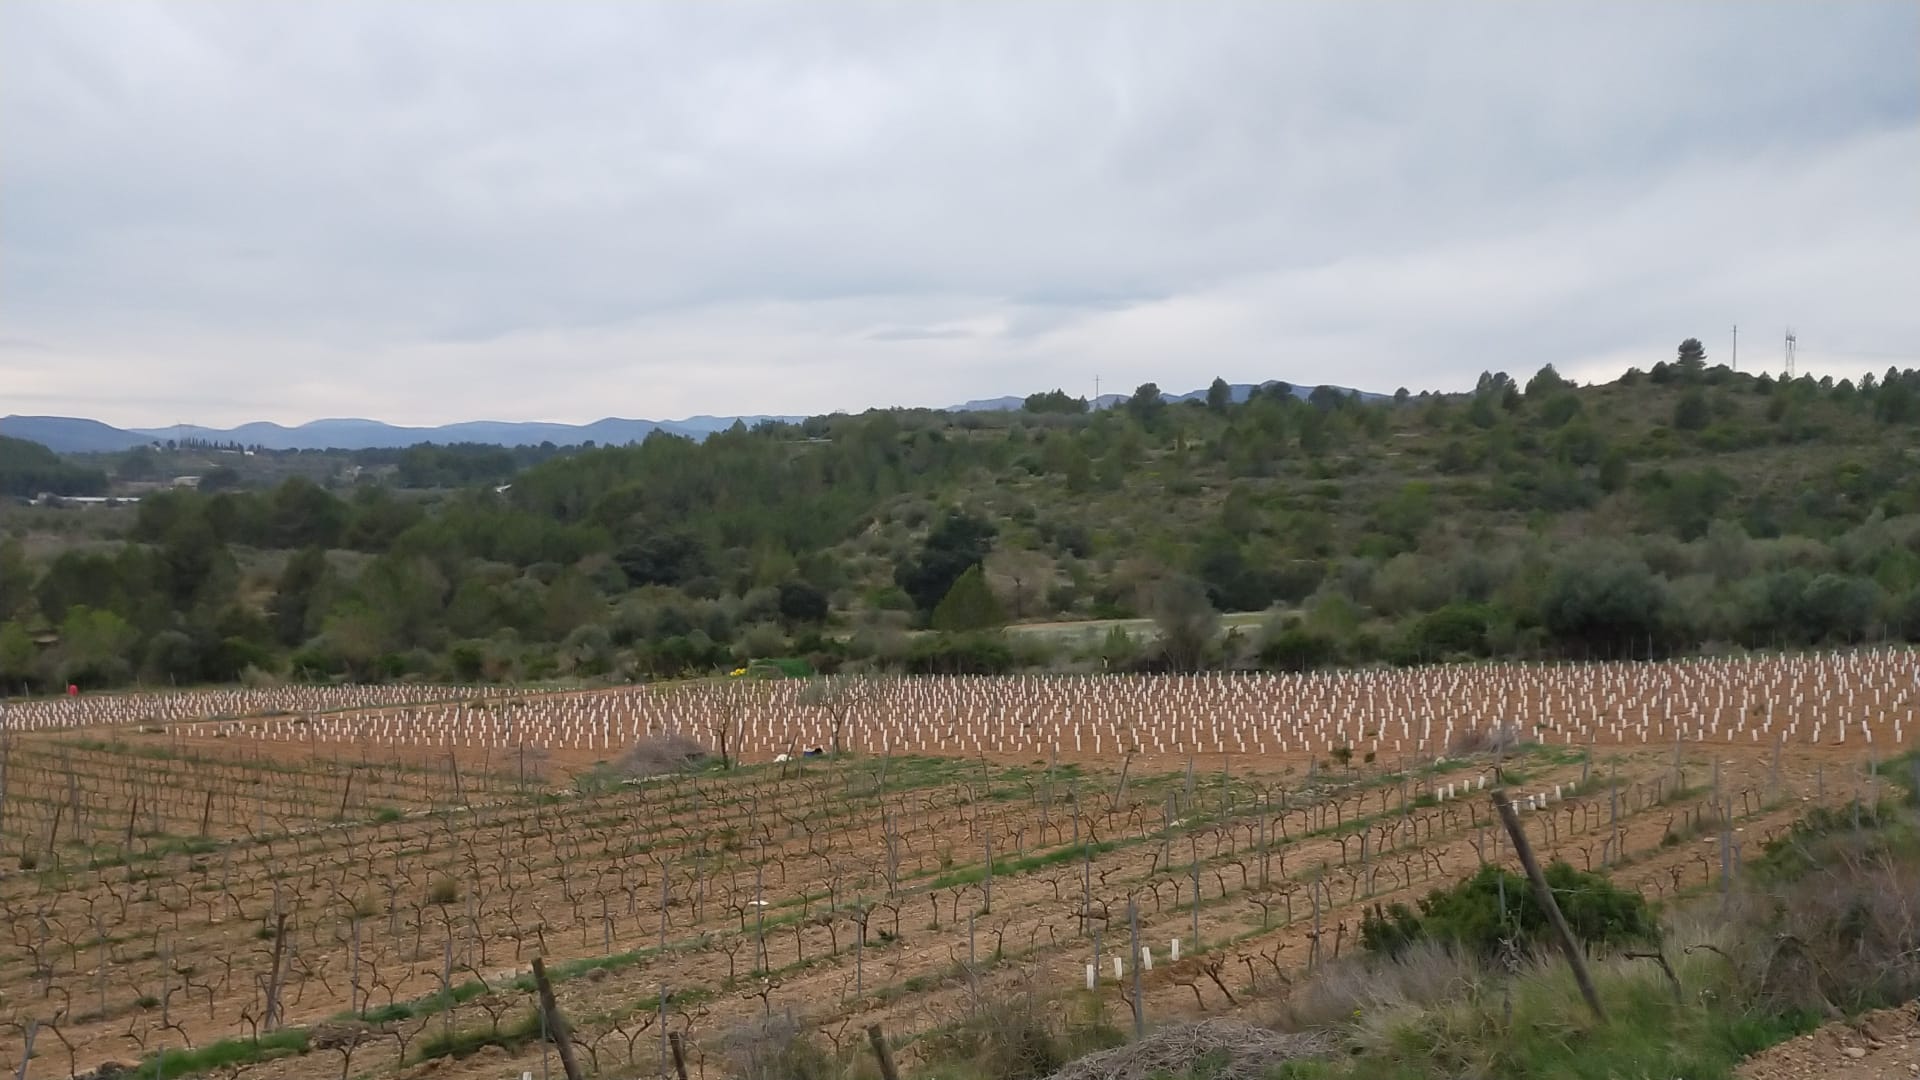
(340,885)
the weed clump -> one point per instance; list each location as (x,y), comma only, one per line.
(1495,909)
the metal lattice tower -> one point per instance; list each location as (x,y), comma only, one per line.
(1791,342)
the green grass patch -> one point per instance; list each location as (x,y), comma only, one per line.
(1645,1035)
(422,1006)
(463,1042)
(225,1054)
(1904,773)
(1039,860)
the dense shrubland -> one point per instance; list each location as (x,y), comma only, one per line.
(1678,510)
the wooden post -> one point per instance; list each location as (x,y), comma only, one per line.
(1313,951)
(760,911)
(271,1021)
(557,1029)
(1139,1003)
(1196,893)
(33,1029)
(678,1046)
(882,1053)
(1544,895)
(1086,880)
(1613,811)
(988,906)
(1073,799)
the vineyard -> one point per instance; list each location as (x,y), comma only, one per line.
(354,881)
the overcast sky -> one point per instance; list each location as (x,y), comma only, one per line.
(421,213)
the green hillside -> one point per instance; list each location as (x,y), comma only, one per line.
(28,470)
(1681,509)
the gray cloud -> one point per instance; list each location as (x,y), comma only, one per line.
(518,210)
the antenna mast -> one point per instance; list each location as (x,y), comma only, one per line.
(1791,342)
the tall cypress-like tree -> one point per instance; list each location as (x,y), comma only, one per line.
(293,600)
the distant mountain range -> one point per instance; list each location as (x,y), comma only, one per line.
(74,435)
(70,435)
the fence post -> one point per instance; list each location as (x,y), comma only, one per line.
(760,911)
(1613,810)
(1544,895)
(988,906)
(1196,894)
(556,1024)
(33,1028)
(1313,953)
(1086,880)
(1139,1003)
(882,1052)
(678,1046)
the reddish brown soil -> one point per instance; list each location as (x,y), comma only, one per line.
(1883,1045)
(232,829)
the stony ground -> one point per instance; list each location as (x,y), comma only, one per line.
(1884,1045)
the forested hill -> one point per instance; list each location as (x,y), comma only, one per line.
(1681,509)
(28,469)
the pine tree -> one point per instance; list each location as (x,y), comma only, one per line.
(1693,356)
(969,605)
